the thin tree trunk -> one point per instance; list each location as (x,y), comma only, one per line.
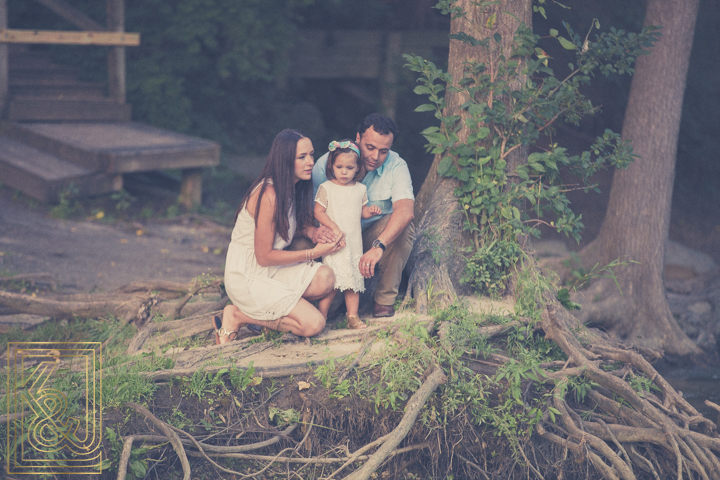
(637,220)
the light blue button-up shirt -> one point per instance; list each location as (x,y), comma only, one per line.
(385,185)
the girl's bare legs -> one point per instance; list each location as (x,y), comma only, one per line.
(352,302)
(304,320)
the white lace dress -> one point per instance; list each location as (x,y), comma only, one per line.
(263,293)
(343,205)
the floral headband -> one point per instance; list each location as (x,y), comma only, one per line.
(346,144)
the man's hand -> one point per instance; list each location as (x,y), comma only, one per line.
(323,234)
(369,260)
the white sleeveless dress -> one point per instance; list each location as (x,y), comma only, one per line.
(343,205)
(263,293)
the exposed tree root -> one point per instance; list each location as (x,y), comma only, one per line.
(125,457)
(33,279)
(412,410)
(669,422)
(136,302)
(126,307)
(169,433)
(616,431)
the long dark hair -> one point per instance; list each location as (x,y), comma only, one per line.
(280,168)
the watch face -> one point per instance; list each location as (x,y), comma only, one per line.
(376,244)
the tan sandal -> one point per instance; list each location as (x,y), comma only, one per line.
(354,322)
(221,331)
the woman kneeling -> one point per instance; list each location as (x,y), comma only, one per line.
(270,286)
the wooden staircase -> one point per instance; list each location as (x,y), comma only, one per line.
(60,132)
(40,90)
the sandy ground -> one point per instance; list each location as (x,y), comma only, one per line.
(86,256)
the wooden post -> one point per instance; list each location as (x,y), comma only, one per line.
(4,52)
(388,81)
(191,187)
(116,55)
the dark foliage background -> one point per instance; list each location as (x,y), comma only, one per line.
(218,69)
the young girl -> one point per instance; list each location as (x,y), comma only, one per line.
(339,204)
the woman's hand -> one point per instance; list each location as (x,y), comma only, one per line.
(322,234)
(322,249)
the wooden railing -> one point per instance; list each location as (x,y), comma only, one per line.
(93,34)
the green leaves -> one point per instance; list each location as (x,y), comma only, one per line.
(507,106)
(567,44)
(425,108)
(444,166)
(563,296)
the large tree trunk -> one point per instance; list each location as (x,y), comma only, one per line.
(638,215)
(438,218)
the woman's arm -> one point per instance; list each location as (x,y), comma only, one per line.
(265,254)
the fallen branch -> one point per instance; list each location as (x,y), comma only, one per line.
(12,416)
(192,442)
(311,460)
(125,457)
(197,286)
(31,278)
(169,433)
(156,286)
(121,306)
(412,410)
(358,455)
(175,330)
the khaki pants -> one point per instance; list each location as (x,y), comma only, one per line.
(392,263)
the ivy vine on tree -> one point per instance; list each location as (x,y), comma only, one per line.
(509,103)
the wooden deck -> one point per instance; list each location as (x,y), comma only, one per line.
(61,132)
(41,159)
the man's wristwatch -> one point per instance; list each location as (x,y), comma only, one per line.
(378,244)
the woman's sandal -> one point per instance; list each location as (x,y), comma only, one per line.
(221,331)
(354,322)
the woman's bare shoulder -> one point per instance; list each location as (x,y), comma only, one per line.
(268,198)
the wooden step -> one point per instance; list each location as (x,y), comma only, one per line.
(38,64)
(117,147)
(57,75)
(29,63)
(42,87)
(43,176)
(30,108)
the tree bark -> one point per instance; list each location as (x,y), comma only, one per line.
(437,215)
(637,220)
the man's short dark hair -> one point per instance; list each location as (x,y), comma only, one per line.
(380,123)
